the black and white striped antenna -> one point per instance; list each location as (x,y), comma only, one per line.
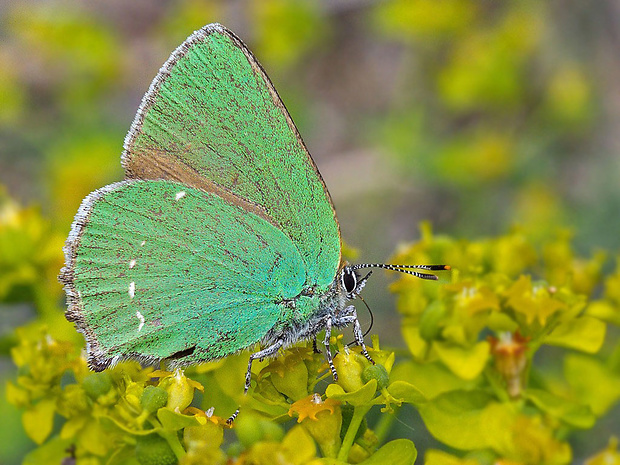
(406,269)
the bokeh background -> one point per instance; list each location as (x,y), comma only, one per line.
(477,116)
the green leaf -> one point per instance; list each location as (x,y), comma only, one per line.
(431,379)
(500,322)
(39,420)
(416,345)
(360,397)
(94,439)
(251,428)
(53,451)
(592,382)
(465,362)
(572,413)
(174,421)
(397,452)
(327,461)
(604,310)
(298,444)
(16,395)
(438,457)
(586,334)
(469,420)
(154,450)
(73,426)
(406,392)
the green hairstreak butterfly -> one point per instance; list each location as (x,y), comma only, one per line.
(222,236)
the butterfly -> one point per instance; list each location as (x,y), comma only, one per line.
(222,236)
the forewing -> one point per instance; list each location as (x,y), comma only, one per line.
(213,120)
(156,269)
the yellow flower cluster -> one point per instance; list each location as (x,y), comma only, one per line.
(473,343)
(471,370)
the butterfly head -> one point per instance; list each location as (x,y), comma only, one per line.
(352,282)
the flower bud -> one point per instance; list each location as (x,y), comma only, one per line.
(97,384)
(153,398)
(349,368)
(377,372)
(180,390)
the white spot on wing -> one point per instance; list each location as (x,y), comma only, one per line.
(132,264)
(179,195)
(141,318)
(142,243)
(132,290)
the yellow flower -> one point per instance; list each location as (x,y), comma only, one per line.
(208,414)
(322,419)
(289,374)
(308,407)
(533,302)
(180,388)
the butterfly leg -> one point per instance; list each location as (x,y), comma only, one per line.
(314,346)
(328,352)
(261,354)
(348,316)
(359,338)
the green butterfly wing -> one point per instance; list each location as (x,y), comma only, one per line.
(157,268)
(213,120)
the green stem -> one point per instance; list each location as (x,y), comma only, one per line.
(359,412)
(173,441)
(140,419)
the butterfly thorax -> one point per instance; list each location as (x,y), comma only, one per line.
(304,316)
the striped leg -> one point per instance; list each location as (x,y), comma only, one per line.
(261,354)
(348,316)
(328,352)
(359,338)
(314,346)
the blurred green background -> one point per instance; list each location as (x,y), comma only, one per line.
(475,115)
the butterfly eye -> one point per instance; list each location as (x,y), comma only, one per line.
(349,280)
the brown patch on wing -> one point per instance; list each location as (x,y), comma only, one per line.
(161,164)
